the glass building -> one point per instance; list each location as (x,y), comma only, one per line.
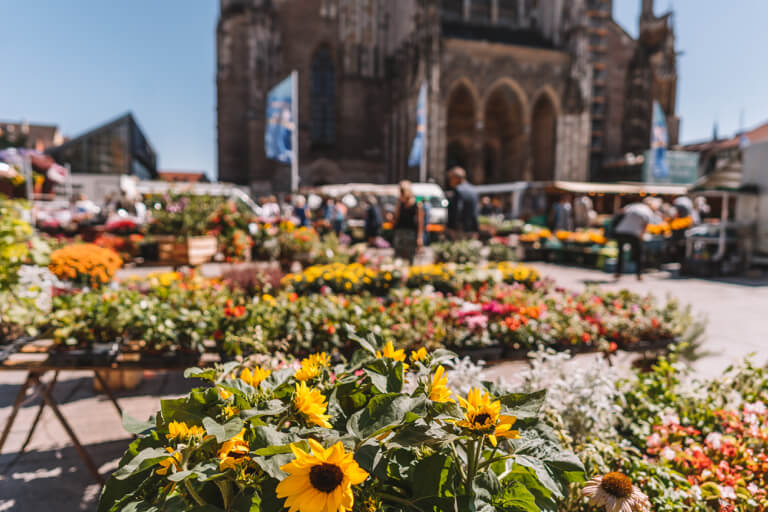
(117,147)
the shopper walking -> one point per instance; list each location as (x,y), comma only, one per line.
(409,223)
(631,229)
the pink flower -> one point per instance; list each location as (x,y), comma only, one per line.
(714,440)
(476,321)
(654,441)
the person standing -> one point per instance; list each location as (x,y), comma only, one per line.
(300,210)
(462,206)
(373,220)
(562,214)
(631,229)
(409,223)
(339,218)
(583,213)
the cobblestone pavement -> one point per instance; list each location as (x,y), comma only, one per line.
(52,477)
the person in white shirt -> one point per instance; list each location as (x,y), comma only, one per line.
(631,229)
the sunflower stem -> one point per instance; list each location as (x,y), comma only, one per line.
(192,492)
(490,457)
(226,492)
(459,462)
(471,469)
(398,499)
(497,459)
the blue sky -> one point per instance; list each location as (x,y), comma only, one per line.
(79,63)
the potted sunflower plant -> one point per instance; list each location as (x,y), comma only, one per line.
(383,431)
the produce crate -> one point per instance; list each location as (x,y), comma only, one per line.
(192,250)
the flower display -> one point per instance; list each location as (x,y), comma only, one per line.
(322,480)
(669,226)
(388,447)
(85,264)
(342,278)
(504,305)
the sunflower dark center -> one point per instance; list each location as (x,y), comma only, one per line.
(481,419)
(617,485)
(326,477)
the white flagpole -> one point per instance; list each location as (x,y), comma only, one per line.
(425,137)
(29,175)
(295,133)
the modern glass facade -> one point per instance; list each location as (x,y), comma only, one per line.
(117,147)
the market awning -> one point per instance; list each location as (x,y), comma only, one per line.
(577,187)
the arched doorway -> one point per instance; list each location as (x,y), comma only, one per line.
(456,155)
(503,135)
(543,128)
(460,127)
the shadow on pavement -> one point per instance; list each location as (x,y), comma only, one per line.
(56,479)
(69,390)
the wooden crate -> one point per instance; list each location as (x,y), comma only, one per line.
(192,250)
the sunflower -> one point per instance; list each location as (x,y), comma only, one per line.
(389,352)
(224,394)
(234,452)
(179,430)
(615,493)
(230,411)
(256,377)
(439,391)
(309,370)
(311,403)
(320,360)
(483,416)
(165,464)
(419,355)
(320,481)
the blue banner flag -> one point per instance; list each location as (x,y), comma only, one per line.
(659,142)
(280,123)
(417,150)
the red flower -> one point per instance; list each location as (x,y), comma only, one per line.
(585,337)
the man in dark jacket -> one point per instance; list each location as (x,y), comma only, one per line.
(462,208)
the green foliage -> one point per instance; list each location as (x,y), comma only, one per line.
(416,455)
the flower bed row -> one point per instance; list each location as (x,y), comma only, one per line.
(173,312)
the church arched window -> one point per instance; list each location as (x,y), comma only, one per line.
(480,11)
(453,9)
(323,101)
(508,12)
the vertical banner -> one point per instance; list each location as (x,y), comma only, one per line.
(418,156)
(281,135)
(659,142)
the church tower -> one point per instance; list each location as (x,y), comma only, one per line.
(248,60)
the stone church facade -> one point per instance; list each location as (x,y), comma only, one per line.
(517,89)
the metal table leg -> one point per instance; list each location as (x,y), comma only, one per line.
(32,428)
(43,389)
(31,379)
(108,391)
